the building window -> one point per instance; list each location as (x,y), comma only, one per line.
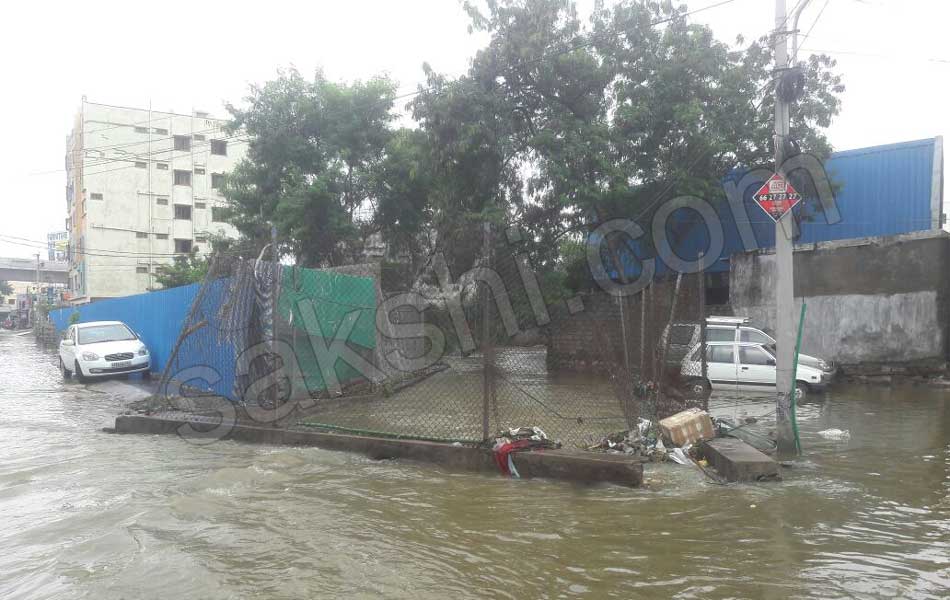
(217,181)
(217,214)
(161,131)
(163,200)
(183,212)
(141,269)
(198,137)
(200,239)
(200,205)
(161,166)
(161,236)
(183,143)
(141,130)
(141,234)
(182,246)
(182,177)
(11,301)
(219,147)
(140,165)
(95,196)
(199,170)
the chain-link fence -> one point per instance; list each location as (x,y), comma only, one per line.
(329,349)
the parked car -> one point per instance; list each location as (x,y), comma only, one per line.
(750,367)
(102,348)
(685,336)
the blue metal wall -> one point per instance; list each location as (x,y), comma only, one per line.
(156,316)
(880,191)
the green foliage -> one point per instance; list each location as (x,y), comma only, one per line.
(74,317)
(310,164)
(618,115)
(5,288)
(559,124)
(185,269)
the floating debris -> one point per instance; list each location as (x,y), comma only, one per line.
(835,434)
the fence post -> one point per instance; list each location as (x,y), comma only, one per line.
(643,330)
(275,291)
(702,334)
(669,332)
(488,350)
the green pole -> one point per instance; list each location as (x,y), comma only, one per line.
(798,346)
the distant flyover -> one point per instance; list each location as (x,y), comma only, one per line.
(24,269)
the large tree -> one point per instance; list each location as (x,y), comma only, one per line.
(313,147)
(559,124)
(634,107)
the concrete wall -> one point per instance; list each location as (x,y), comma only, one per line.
(872,300)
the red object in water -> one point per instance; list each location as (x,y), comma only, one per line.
(502,452)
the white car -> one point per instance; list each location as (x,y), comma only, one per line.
(748,367)
(729,329)
(102,348)
(685,336)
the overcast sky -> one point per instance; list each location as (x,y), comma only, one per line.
(894,56)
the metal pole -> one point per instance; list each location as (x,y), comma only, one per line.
(36,295)
(669,332)
(703,369)
(784,287)
(275,291)
(488,358)
(623,335)
(643,329)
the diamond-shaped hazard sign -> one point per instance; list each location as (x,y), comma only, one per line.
(777,197)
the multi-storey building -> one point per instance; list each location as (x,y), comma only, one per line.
(142,187)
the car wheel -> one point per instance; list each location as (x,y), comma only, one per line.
(801,391)
(82,378)
(146,375)
(67,374)
(700,387)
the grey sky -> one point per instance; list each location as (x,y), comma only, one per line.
(197,55)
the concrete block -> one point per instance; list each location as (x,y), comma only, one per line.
(578,466)
(563,464)
(736,460)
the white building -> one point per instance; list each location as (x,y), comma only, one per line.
(142,186)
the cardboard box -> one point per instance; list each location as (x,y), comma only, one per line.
(688,427)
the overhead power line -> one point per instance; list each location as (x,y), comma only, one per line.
(897,57)
(37,244)
(590,41)
(205,147)
(813,23)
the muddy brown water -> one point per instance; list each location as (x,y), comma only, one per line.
(85,514)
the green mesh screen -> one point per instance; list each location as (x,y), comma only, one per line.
(335,299)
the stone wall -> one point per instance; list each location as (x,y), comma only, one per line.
(591,339)
(872,300)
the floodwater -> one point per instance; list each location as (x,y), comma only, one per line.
(85,514)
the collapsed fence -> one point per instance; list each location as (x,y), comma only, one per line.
(329,349)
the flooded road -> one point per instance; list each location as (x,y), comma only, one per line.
(84,514)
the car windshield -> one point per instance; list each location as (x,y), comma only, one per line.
(105,333)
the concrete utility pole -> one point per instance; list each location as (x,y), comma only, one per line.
(785,326)
(36,294)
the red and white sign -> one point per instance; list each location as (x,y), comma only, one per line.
(777,197)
